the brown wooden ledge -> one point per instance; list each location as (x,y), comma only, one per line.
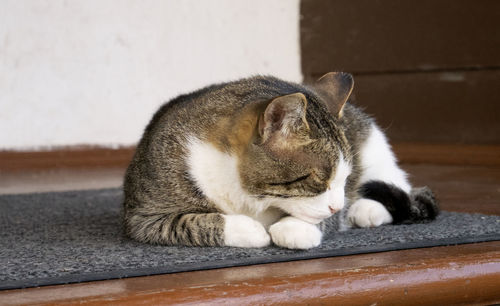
(465,274)
(66,157)
(91,156)
(448,154)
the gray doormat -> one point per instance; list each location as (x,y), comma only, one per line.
(76,236)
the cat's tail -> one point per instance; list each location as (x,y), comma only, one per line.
(417,207)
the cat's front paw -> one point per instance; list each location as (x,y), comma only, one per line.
(368,213)
(293,233)
(245,232)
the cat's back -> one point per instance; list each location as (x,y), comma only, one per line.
(161,157)
(198,114)
(205,105)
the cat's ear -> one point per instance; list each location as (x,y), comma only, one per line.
(284,115)
(337,87)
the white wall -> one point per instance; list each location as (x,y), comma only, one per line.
(94,71)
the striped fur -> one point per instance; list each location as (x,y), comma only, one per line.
(253,161)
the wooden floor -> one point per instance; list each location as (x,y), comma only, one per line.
(59,179)
(466,274)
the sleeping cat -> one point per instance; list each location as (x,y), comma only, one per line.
(259,160)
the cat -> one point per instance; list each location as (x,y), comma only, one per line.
(262,160)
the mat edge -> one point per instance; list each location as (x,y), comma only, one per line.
(127,273)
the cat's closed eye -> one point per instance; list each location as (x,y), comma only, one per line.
(299,179)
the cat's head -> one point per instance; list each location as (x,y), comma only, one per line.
(298,159)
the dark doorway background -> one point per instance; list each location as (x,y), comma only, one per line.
(429,71)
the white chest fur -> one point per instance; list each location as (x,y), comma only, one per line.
(216,174)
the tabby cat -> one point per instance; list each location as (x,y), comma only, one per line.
(260,159)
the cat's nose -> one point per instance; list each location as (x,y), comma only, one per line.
(332,210)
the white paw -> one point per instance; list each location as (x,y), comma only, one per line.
(368,213)
(293,233)
(245,232)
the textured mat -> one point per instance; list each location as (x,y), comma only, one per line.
(57,238)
